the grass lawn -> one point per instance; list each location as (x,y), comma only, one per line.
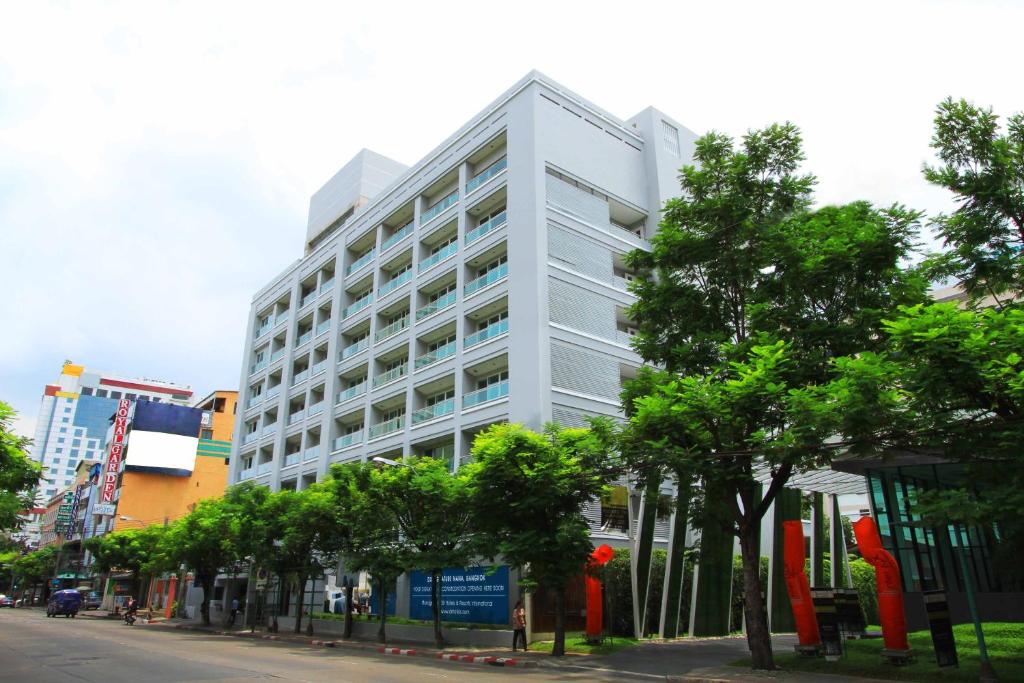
(576,643)
(862,657)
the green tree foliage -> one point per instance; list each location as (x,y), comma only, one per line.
(432,509)
(136,551)
(983,166)
(528,494)
(18,474)
(35,568)
(745,300)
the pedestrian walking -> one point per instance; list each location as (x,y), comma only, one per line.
(518,625)
(234,610)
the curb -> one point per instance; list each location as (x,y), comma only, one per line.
(396,651)
(486,659)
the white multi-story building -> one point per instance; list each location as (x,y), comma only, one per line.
(484,284)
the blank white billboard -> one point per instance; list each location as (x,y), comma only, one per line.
(168,453)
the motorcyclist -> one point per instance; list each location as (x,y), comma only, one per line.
(131,610)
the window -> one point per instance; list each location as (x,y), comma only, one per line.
(60,439)
(65,420)
(63,430)
(70,470)
(130,397)
(115,394)
(496,263)
(206,434)
(670,137)
(102,393)
(440,398)
(67,410)
(86,391)
(74,452)
(352,429)
(434,346)
(493,379)
(442,292)
(53,470)
(76,442)
(493,320)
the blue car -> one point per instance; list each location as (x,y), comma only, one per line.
(64,602)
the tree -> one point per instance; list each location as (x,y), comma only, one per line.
(984,169)
(18,474)
(131,550)
(528,493)
(432,510)
(745,299)
(35,568)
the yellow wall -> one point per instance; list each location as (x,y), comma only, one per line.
(149,498)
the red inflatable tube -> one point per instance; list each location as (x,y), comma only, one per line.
(796,583)
(595,609)
(887,577)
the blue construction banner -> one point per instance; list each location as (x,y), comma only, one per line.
(473,594)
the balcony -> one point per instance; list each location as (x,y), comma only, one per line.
(493,224)
(308,299)
(304,337)
(291,459)
(485,175)
(361,261)
(318,368)
(254,401)
(439,208)
(247,474)
(392,329)
(351,392)
(357,306)
(277,355)
(387,427)
(300,377)
(442,254)
(323,327)
(489,332)
(281,317)
(347,440)
(485,395)
(353,349)
(296,417)
(326,285)
(315,409)
(437,410)
(439,304)
(489,278)
(250,437)
(440,353)
(394,283)
(273,392)
(390,376)
(311,453)
(404,232)
(269,430)
(257,366)
(261,330)
(264,468)
(623,337)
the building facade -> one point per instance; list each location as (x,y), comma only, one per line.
(484,284)
(74,414)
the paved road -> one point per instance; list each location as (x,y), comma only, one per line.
(36,649)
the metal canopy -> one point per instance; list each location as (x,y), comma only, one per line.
(819,481)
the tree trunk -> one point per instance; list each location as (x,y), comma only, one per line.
(280,601)
(309,615)
(558,649)
(301,595)
(207,592)
(347,632)
(382,598)
(435,598)
(759,639)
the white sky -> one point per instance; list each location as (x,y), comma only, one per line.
(156,160)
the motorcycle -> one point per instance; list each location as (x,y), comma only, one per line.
(129,618)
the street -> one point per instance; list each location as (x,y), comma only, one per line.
(36,649)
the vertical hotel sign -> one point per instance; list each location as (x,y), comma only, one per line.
(117,444)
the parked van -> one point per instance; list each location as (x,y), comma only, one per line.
(64,602)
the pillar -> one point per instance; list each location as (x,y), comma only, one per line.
(780,613)
(817,539)
(672,591)
(712,576)
(641,551)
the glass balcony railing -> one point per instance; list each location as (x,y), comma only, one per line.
(387,427)
(277,355)
(326,285)
(250,437)
(485,175)
(491,393)
(351,392)
(323,327)
(268,430)
(490,332)
(488,278)
(297,416)
(357,306)
(247,474)
(318,368)
(394,283)
(304,337)
(264,467)
(361,261)
(261,330)
(437,410)
(392,329)
(390,375)
(440,353)
(440,207)
(257,366)
(315,409)
(353,349)
(273,392)
(441,254)
(400,235)
(346,440)
(311,453)
(308,299)
(441,303)
(300,377)
(623,337)
(254,401)
(281,317)
(292,459)
(493,224)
